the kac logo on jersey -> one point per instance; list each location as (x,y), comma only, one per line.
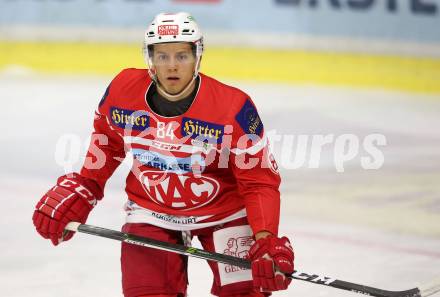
(249,119)
(126,119)
(203,131)
(179,191)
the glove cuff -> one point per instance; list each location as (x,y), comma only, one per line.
(84,187)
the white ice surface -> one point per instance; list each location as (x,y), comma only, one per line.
(379,227)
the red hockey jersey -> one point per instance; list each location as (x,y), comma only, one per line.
(207,166)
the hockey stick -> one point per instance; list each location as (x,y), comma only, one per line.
(421,291)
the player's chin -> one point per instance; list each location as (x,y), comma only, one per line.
(174,89)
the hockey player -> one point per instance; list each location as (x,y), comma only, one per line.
(201,167)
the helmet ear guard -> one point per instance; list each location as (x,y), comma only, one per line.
(199,53)
(148,58)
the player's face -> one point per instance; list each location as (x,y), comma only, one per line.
(174,64)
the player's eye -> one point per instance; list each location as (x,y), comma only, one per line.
(182,57)
(162,57)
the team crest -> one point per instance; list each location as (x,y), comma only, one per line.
(179,191)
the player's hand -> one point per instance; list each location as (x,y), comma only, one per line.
(271,257)
(71,199)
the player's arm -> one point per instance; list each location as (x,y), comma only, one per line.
(76,194)
(255,170)
(258,179)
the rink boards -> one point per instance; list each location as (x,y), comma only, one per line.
(412,73)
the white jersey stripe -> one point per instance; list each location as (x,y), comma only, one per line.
(191,149)
(138,214)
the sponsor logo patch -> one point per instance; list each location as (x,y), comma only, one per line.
(166,146)
(170,163)
(203,131)
(168,30)
(249,119)
(233,241)
(179,191)
(174,219)
(207,147)
(124,118)
(237,247)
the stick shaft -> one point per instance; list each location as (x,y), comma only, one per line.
(243,263)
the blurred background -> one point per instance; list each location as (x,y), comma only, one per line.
(339,70)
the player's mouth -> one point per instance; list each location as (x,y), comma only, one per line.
(172,78)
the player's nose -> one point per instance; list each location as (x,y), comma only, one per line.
(172,64)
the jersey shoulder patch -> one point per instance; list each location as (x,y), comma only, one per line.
(249,120)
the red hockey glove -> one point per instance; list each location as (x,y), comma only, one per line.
(71,199)
(271,257)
